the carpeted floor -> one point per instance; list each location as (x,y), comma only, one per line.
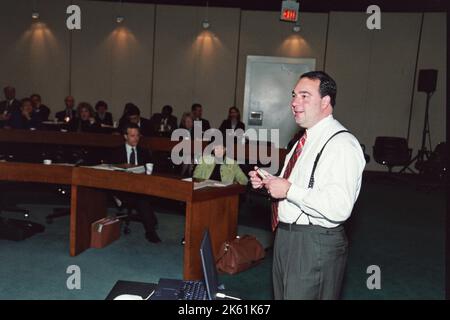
(396,226)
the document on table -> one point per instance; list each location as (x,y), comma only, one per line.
(208,183)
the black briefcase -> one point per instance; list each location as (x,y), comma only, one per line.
(17,230)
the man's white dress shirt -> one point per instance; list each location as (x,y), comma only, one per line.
(129,149)
(337,177)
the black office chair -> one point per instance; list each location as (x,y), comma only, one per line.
(391,152)
(366,156)
(131,215)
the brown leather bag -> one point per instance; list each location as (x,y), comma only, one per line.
(239,254)
(104,232)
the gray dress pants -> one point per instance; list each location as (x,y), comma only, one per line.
(309,262)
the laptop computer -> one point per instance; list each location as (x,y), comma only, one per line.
(172,289)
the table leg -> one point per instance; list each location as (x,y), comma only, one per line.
(220,217)
(87,205)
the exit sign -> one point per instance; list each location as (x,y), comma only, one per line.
(289,11)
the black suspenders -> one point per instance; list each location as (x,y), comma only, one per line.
(316,161)
(311,179)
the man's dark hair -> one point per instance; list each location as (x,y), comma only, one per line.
(195,105)
(35,95)
(100,104)
(167,109)
(132,110)
(327,85)
(129,125)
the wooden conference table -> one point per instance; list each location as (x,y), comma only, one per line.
(213,208)
(17,138)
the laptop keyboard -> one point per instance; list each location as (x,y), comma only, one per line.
(194,290)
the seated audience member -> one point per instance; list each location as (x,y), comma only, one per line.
(101,114)
(187,123)
(221,168)
(124,118)
(233,122)
(164,123)
(26,118)
(8,106)
(197,111)
(131,153)
(68,113)
(133,115)
(40,109)
(85,120)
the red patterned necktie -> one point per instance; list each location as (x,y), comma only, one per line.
(286,174)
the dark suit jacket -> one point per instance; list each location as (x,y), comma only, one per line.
(226,124)
(205,124)
(18,121)
(119,155)
(62,114)
(108,119)
(78,125)
(14,107)
(43,113)
(156,123)
(145,127)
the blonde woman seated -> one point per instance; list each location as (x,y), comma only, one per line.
(220,168)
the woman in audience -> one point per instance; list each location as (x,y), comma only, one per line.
(102,116)
(26,118)
(221,168)
(124,118)
(233,122)
(85,119)
(187,122)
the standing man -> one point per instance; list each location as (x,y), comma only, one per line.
(310,249)
(130,153)
(197,111)
(9,106)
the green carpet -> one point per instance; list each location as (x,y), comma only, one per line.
(396,227)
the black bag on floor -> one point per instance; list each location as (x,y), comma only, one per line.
(17,230)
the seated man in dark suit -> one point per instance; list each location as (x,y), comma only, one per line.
(133,115)
(131,153)
(26,118)
(39,109)
(101,114)
(8,106)
(197,111)
(164,123)
(68,113)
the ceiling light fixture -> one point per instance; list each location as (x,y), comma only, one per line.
(205,22)
(120,18)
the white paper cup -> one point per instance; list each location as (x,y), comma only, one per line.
(47,161)
(148,168)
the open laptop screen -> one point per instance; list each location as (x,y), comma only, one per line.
(209,266)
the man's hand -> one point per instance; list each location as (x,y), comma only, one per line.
(255,180)
(277,187)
